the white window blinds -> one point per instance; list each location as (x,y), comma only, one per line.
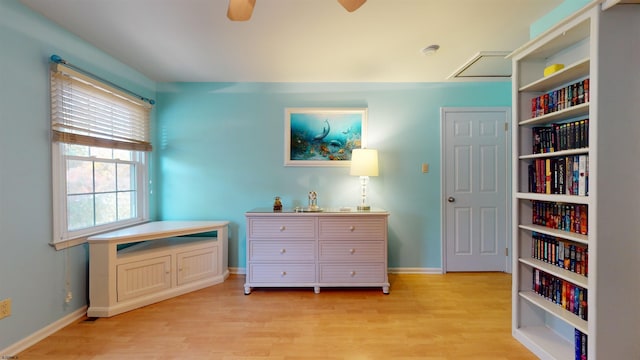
(86,111)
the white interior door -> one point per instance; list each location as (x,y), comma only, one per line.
(475,189)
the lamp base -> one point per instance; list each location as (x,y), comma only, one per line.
(364,207)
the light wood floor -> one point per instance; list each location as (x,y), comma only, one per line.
(453,316)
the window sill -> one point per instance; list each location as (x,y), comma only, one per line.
(61,245)
(64,244)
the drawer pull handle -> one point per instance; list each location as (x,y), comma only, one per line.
(352,251)
(353,273)
(282,251)
(352,228)
(283,273)
(282,228)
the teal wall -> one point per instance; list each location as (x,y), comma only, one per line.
(32,273)
(218,152)
(221,153)
(563,10)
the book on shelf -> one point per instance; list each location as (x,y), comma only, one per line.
(563,293)
(560,216)
(560,136)
(547,176)
(580,345)
(561,172)
(560,252)
(559,99)
(582,171)
(586,178)
(559,175)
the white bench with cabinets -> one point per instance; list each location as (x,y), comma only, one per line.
(161,263)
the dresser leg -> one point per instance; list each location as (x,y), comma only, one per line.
(316,289)
(247,290)
(385,290)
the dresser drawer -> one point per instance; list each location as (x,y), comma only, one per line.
(273,228)
(282,273)
(352,273)
(282,250)
(352,251)
(352,228)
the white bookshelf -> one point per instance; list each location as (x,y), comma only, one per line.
(603,46)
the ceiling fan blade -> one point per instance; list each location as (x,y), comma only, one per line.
(240,10)
(351,5)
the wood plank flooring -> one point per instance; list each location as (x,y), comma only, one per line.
(452,316)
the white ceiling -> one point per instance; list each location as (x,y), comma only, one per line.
(297,40)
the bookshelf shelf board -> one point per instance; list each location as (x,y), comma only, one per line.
(580,151)
(546,341)
(572,112)
(571,199)
(555,310)
(565,37)
(570,73)
(579,238)
(567,275)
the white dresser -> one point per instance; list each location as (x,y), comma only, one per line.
(316,249)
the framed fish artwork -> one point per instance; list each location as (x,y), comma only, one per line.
(323,136)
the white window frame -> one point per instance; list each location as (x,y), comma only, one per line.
(62,237)
(101,122)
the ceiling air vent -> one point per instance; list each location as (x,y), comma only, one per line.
(488,65)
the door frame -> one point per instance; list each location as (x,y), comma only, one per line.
(509,194)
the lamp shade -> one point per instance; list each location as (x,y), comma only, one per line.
(364,162)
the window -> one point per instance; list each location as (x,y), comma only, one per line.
(100,163)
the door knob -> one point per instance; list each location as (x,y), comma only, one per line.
(451,199)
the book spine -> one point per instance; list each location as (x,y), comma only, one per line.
(585,85)
(582,169)
(576,175)
(583,346)
(577,338)
(583,220)
(531,175)
(586,178)
(560,175)
(547,181)
(569,175)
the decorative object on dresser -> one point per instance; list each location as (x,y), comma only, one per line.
(164,259)
(313,201)
(575,184)
(364,163)
(277,204)
(316,249)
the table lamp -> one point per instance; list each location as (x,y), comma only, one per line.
(364,163)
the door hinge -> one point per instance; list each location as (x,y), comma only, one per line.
(506,126)
(506,251)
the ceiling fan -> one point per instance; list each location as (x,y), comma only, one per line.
(241,10)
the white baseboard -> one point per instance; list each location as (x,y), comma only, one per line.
(415,270)
(39,335)
(242,271)
(238,271)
